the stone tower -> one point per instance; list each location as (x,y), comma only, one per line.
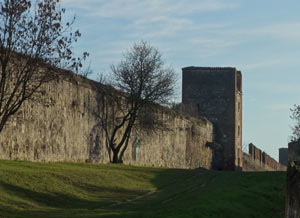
(283,156)
(216,93)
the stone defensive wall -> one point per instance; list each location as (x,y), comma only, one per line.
(257,160)
(63,127)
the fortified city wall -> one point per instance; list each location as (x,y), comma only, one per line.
(65,129)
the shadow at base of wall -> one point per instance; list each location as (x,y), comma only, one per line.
(217,155)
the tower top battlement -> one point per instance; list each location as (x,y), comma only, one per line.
(208,68)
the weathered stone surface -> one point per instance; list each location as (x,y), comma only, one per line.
(66,130)
(216,93)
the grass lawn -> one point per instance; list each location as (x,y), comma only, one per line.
(96,190)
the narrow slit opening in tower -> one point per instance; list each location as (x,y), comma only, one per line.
(239,81)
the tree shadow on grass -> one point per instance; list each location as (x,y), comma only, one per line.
(53,204)
(108,202)
(65,201)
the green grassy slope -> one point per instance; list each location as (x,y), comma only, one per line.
(94,190)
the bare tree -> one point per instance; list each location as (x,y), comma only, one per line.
(296,117)
(140,82)
(33,41)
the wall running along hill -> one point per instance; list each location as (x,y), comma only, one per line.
(257,160)
(64,128)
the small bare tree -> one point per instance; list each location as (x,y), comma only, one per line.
(33,41)
(139,83)
(296,117)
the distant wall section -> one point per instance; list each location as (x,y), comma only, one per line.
(257,160)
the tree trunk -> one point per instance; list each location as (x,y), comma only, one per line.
(115,158)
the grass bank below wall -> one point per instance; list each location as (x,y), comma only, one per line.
(92,190)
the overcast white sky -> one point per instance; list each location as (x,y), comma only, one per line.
(259,37)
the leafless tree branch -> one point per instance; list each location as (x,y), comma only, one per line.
(140,83)
(33,42)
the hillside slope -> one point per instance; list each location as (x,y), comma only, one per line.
(92,190)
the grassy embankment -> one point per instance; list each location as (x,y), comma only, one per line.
(93,190)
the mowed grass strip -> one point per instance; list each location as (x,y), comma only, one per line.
(96,190)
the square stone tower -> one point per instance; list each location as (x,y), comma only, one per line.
(283,156)
(216,93)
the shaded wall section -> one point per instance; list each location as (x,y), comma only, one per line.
(257,160)
(64,128)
